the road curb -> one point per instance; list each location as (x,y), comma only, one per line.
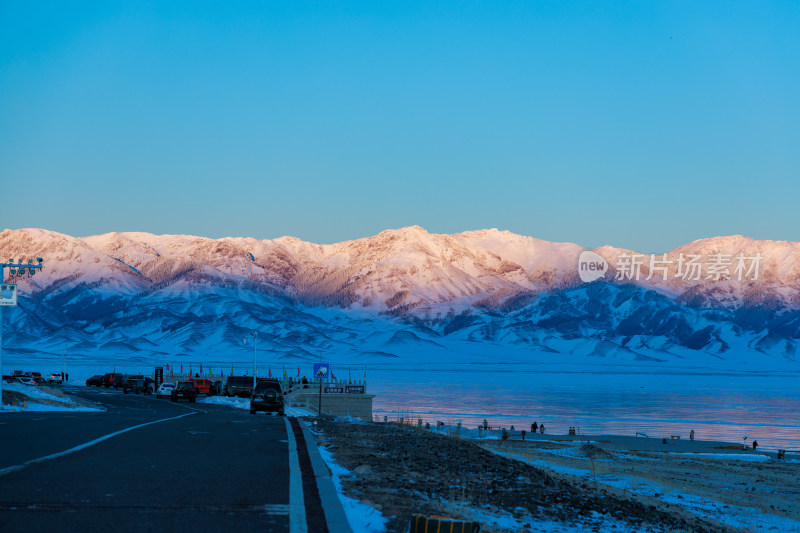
(331,505)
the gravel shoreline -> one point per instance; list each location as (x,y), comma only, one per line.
(401,470)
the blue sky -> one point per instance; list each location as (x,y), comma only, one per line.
(639,124)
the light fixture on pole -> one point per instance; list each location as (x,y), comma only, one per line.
(8,296)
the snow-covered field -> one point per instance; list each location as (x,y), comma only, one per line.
(718,486)
(42,399)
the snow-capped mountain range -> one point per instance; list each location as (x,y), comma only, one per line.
(484,295)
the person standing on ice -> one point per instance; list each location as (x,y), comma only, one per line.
(534,427)
(691,435)
(541,429)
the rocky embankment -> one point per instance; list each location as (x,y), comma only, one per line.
(401,470)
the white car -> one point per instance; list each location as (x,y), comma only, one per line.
(165,390)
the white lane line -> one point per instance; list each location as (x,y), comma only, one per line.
(276,509)
(297,508)
(16,468)
(195,409)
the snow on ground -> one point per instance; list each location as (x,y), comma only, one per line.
(362,517)
(59,403)
(238,403)
(749,518)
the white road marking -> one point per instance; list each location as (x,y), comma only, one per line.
(16,468)
(277,509)
(297,508)
(195,409)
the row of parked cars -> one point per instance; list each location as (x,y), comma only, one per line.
(33,378)
(136,383)
(267,397)
(240,386)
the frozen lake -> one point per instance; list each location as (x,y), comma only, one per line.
(717,406)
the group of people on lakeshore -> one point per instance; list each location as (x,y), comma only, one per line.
(539,428)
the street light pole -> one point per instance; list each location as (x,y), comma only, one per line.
(255,363)
(18,270)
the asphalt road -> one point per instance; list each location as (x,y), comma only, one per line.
(214,468)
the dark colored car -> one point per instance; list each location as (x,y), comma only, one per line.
(184,391)
(112,379)
(95,381)
(268,397)
(147,385)
(136,385)
(241,386)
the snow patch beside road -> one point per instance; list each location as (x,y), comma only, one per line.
(48,399)
(362,517)
(244,403)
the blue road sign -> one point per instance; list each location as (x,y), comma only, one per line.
(322,370)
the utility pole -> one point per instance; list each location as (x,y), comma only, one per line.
(64,370)
(15,270)
(255,363)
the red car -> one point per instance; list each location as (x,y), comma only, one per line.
(202,386)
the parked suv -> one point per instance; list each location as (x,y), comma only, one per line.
(184,391)
(136,385)
(203,386)
(112,380)
(241,386)
(95,381)
(267,397)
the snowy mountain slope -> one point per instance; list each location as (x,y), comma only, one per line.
(402,293)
